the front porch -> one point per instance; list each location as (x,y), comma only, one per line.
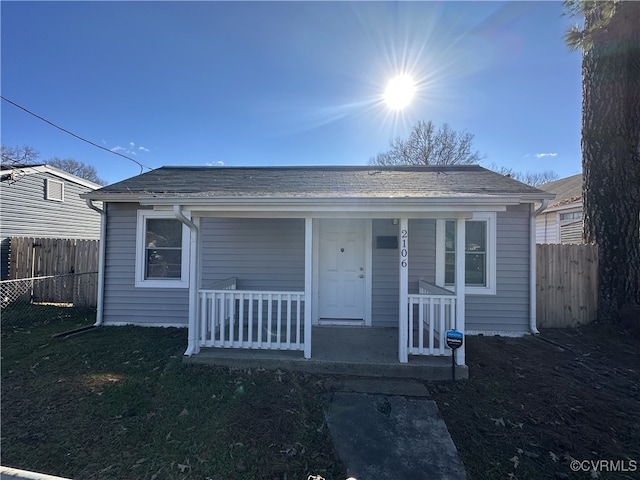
(229,318)
(338,350)
(291,276)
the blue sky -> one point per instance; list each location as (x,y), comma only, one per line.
(286,83)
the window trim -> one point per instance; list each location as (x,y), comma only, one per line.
(490,287)
(140,280)
(49,196)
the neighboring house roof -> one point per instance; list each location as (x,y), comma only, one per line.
(316,182)
(567,190)
(14,172)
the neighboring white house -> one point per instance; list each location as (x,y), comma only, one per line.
(256,258)
(561,222)
(44,202)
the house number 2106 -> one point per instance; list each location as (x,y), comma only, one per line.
(404,249)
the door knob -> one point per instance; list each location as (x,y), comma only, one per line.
(362,275)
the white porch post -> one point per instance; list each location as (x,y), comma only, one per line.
(460,283)
(194,275)
(308,262)
(193,345)
(403,260)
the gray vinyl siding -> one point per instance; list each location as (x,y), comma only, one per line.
(508,310)
(268,254)
(422,250)
(547,228)
(571,232)
(123,302)
(385,282)
(263,254)
(25,212)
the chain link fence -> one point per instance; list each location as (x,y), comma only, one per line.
(26,295)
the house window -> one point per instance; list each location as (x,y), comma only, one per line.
(570,216)
(161,251)
(450,252)
(54,190)
(479,254)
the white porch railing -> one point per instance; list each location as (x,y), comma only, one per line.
(431,313)
(232,318)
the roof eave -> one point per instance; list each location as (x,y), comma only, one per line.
(166,200)
(565,206)
(110,197)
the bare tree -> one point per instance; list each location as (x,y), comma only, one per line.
(18,156)
(535,179)
(428,145)
(77,168)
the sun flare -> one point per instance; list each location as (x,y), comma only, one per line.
(399,92)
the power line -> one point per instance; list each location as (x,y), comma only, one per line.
(142,167)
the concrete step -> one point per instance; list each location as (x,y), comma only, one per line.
(424,368)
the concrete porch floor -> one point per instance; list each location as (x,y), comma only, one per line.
(338,350)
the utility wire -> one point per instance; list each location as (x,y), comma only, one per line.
(142,167)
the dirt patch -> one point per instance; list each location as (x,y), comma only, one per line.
(534,405)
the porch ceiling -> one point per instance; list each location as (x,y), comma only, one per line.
(331,210)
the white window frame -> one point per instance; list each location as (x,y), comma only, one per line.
(141,281)
(490,287)
(49,196)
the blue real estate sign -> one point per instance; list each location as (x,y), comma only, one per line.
(454,339)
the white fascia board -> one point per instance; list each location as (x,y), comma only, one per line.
(57,172)
(104,197)
(537,197)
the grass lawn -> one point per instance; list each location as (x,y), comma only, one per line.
(118,403)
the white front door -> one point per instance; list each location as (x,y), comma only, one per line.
(342,282)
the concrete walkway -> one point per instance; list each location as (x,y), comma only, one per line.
(390,430)
(383,429)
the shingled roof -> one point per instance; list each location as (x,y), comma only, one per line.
(567,190)
(318,182)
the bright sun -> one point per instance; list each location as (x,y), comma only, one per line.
(399,92)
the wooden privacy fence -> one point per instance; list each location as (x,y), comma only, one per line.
(72,260)
(566,284)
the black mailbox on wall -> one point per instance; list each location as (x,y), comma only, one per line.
(387,241)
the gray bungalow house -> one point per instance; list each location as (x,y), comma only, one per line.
(257,257)
(43,201)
